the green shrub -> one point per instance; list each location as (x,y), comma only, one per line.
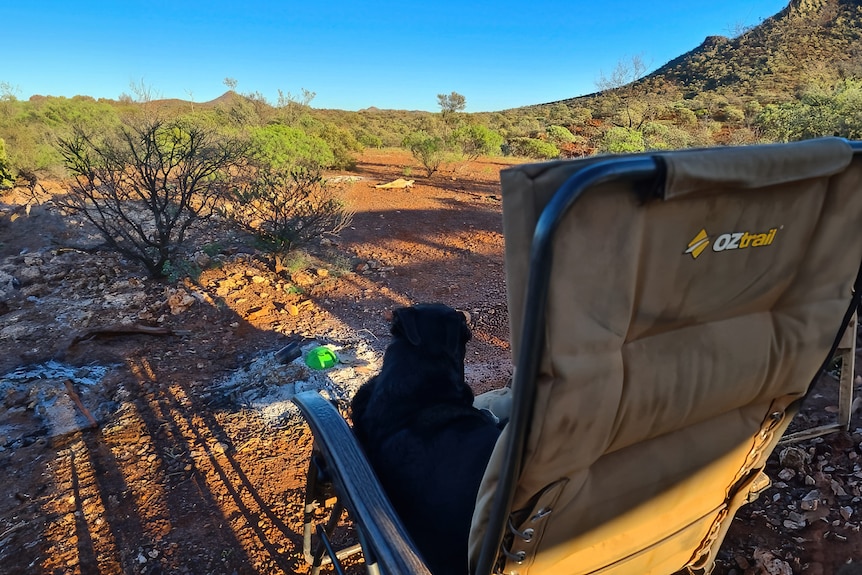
(533,148)
(731,114)
(428,149)
(368,139)
(665,137)
(80,111)
(6,179)
(684,116)
(477,140)
(343,145)
(560,135)
(284,148)
(620,140)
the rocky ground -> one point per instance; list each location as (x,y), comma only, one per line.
(194,460)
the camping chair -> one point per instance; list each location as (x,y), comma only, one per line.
(668,314)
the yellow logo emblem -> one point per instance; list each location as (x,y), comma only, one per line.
(698,244)
(730,241)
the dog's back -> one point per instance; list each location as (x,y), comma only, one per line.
(426,441)
(431,472)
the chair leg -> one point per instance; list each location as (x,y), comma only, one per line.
(323,544)
(318,489)
(314,500)
(848,369)
(846,351)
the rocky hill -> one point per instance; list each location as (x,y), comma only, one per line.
(809,41)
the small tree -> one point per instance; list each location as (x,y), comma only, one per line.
(428,149)
(293,107)
(286,208)
(145,186)
(450,106)
(451,103)
(623,93)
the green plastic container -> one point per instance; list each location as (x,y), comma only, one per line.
(321,358)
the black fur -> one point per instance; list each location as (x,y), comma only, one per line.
(426,441)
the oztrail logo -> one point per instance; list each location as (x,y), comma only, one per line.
(730,241)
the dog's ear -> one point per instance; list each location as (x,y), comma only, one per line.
(457,334)
(404,323)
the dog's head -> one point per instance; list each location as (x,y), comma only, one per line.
(435,328)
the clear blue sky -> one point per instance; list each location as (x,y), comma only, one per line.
(353,55)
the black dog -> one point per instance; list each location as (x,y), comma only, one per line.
(426,441)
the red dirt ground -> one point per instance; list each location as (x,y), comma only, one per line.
(178,479)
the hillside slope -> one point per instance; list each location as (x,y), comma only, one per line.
(808,41)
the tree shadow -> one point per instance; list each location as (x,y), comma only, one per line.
(159,486)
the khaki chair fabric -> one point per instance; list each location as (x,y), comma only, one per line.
(679,333)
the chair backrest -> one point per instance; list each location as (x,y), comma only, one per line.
(686,314)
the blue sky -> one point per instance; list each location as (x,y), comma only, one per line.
(353,55)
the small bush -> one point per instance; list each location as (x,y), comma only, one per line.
(428,149)
(620,140)
(284,148)
(659,136)
(296,260)
(533,148)
(478,140)
(288,208)
(560,135)
(6,179)
(368,139)
(343,145)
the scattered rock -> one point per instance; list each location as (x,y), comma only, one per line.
(202,260)
(794,457)
(837,489)
(302,278)
(769,564)
(8,285)
(786,474)
(179,300)
(811,501)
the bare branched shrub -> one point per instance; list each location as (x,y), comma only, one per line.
(145,186)
(287,208)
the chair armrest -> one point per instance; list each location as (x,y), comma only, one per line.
(359,489)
